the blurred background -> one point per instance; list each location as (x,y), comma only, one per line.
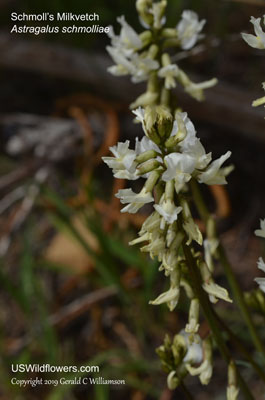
(72,291)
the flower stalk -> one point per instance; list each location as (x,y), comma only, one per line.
(173,161)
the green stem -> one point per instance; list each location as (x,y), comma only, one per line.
(198,199)
(210,316)
(240,300)
(238,295)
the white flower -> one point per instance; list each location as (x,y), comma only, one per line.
(261,264)
(261,232)
(190,227)
(170,297)
(197,152)
(196,89)
(151,224)
(205,369)
(179,167)
(215,291)
(232,393)
(169,73)
(122,163)
(193,231)
(123,65)
(138,66)
(143,116)
(191,145)
(258,41)
(135,200)
(172,380)
(128,41)
(139,113)
(156,246)
(145,144)
(194,354)
(153,9)
(210,247)
(215,175)
(261,281)
(168,210)
(189,29)
(167,297)
(232,390)
(193,325)
(142,65)
(190,138)
(158,10)
(169,261)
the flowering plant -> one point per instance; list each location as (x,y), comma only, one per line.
(173,162)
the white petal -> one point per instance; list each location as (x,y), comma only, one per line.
(168,211)
(166,297)
(214,175)
(145,144)
(261,283)
(261,232)
(217,291)
(177,163)
(128,34)
(139,113)
(261,264)
(252,41)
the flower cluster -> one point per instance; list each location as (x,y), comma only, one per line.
(169,152)
(171,158)
(186,354)
(261,265)
(258,42)
(138,55)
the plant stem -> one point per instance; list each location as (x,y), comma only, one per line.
(238,295)
(240,300)
(210,316)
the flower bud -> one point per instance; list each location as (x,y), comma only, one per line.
(146,38)
(169,33)
(158,122)
(193,325)
(258,102)
(175,140)
(151,180)
(232,389)
(172,380)
(151,13)
(179,348)
(147,166)
(153,51)
(211,228)
(165,59)
(169,190)
(147,155)
(142,6)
